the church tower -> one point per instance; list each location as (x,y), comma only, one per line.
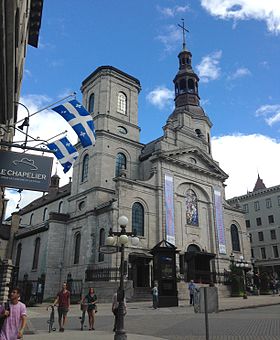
(188,122)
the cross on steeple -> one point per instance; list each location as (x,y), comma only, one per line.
(183,31)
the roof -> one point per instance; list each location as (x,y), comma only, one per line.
(46,199)
(112,68)
(259,184)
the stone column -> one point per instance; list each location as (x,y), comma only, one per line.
(6,268)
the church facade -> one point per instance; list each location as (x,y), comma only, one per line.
(170,189)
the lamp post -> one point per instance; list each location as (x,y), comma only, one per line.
(122,239)
(241,263)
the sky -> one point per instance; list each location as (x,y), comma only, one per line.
(235,47)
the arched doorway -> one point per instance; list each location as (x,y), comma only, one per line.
(197,264)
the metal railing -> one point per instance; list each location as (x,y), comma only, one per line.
(102,274)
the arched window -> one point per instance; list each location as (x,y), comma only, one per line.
(85,168)
(36,253)
(191,208)
(60,206)
(183,86)
(138,218)
(77,247)
(191,85)
(176,89)
(91,103)
(120,163)
(234,238)
(101,243)
(31,218)
(121,103)
(18,256)
(45,213)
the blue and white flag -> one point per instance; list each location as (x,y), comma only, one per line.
(65,152)
(80,120)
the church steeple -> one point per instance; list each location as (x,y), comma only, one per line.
(186,80)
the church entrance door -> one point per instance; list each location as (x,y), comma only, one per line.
(140,270)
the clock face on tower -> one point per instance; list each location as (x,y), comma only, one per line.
(122,130)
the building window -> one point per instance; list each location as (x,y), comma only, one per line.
(246,208)
(190,85)
(270,219)
(250,237)
(85,168)
(91,103)
(77,246)
(138,218)
(182,85)
(275,251)
(31,218)
(122,103)
(234,238)
(248,224)
(273,234)
(36,253)
(252,252)
(191,208)
(101,243)
(263,253)
(60,206)
(18,256)
(268,203)
(259,221)
(257,205)
(260,234)
(120,163)
(45,214)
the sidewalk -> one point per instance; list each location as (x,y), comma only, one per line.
(138,309)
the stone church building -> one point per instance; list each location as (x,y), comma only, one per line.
(170,189)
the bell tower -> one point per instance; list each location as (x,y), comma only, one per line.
(186,80)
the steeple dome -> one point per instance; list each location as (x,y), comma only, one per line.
(186,80)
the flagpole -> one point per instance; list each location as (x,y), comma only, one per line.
(47,107)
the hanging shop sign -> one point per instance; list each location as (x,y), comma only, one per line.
(25,171)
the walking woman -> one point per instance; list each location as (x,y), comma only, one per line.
(90,300)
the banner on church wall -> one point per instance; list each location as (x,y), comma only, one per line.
(25,171)
(169,209)
(220,220)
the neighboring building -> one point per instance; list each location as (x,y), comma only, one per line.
(262,215)
(170,188)
(20,22)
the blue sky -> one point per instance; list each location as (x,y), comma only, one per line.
(235,48)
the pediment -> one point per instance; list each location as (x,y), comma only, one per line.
(196,159)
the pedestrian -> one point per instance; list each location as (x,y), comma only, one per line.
(155,295)
(63,301)
(90,300)
(115,308)
(192,288)
(15,316)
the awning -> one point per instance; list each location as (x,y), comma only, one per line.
(142,255)
(190,254)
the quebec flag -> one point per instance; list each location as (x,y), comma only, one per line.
(80,120)
(65,152)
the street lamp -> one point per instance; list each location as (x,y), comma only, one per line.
(241,263)
(121,237)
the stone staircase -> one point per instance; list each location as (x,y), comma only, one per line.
(141,294)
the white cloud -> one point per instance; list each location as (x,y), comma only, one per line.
(172,11)
(242,157)
(161,97)
(45,125)
(268,11)
(271,113)
(170,38)
(209,69)
(239,73)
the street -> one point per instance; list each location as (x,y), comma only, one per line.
(177,323)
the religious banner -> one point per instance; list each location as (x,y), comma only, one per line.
(25,171)
(219,220)
(169,209)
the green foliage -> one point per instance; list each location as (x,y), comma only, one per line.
(236,280)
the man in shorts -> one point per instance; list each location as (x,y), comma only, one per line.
(63,301)
(14,314)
